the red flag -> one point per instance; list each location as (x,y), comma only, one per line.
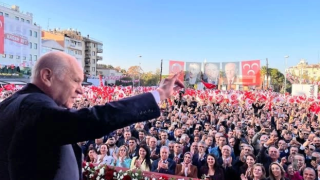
(208,85)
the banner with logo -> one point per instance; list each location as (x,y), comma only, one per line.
(250,72)
(175,67)
(15,39)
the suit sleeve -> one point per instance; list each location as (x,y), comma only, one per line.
(65,126)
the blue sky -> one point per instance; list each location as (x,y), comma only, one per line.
(189,30)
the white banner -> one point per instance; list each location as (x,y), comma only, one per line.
(16,38)
(309,90)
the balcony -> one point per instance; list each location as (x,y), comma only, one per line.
(88,55)
(87,61)
(99,58)
(99,50)
(87,65)
(88,48)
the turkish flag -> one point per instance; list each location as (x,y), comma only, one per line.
(250,72)
(208,85)
(1,35)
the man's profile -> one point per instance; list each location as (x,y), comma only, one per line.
(40,117)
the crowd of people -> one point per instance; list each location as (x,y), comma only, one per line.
(218,139)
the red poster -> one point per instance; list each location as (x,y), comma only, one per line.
(175,67)
(1,35)
(250,72)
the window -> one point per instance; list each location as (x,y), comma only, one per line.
(30,44)
(35,34)
(11,56)
(94,45)
(93,53)
(1,13)
(35,57)
(24,58)
(6,15)
(4,55)
(28,21)
(30,33)
(30,57)
(17,18)
(93,69)
(35,46)
(17,57)
(22,19)
(93,61)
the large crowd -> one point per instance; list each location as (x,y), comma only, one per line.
(220,135)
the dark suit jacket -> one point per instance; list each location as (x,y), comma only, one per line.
(192,174)
(171,167)
(30,118)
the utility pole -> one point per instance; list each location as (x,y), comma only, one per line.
(161,70)
(139,69)
(285,76)
(267,75)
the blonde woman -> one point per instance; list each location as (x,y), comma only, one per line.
(142,161)
(121,159)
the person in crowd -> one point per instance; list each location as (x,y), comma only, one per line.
(177,155)
(258,173)
(309,174)
(186,168)
(121,159)
(43,112)
(154,150)
(211,170)
(104,157)
(292,174)
(164,164)
(142,161)
(133,149)
(246,169)
(276,172)
(92,156)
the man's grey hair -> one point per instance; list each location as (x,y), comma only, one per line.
(311,169)
(164,147)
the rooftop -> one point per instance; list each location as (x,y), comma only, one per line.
(15,8)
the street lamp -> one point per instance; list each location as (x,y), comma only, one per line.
(285,76)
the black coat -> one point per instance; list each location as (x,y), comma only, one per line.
(36,134)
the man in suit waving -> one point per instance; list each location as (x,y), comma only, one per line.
(40,116)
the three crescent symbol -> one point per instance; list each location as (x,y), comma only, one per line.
(246,65)
(251,71)
(254,64)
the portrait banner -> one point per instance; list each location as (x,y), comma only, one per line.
(250,72)
(211,73)
(231,71)
(193,73)
(176,67)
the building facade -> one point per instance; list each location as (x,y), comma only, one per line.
(71,41)
(29,47)
(305,71)
(110,75)
(50,45)
(93,48)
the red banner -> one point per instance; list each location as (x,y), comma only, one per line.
(175,67)
(1,35)
(250,72)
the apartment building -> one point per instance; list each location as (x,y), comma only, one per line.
(93,48)
(70,39)
(22,38)
(305,70)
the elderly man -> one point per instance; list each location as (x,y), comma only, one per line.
(164,164)
(40,116)
(309,174)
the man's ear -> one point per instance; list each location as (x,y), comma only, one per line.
(46,76)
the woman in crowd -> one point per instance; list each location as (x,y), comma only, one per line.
(258,173)
(212,171)
(142,161)
(246,169)
(293,175)
(186,168)
(104,156)
(276,172)
(92,156)
(121,159)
